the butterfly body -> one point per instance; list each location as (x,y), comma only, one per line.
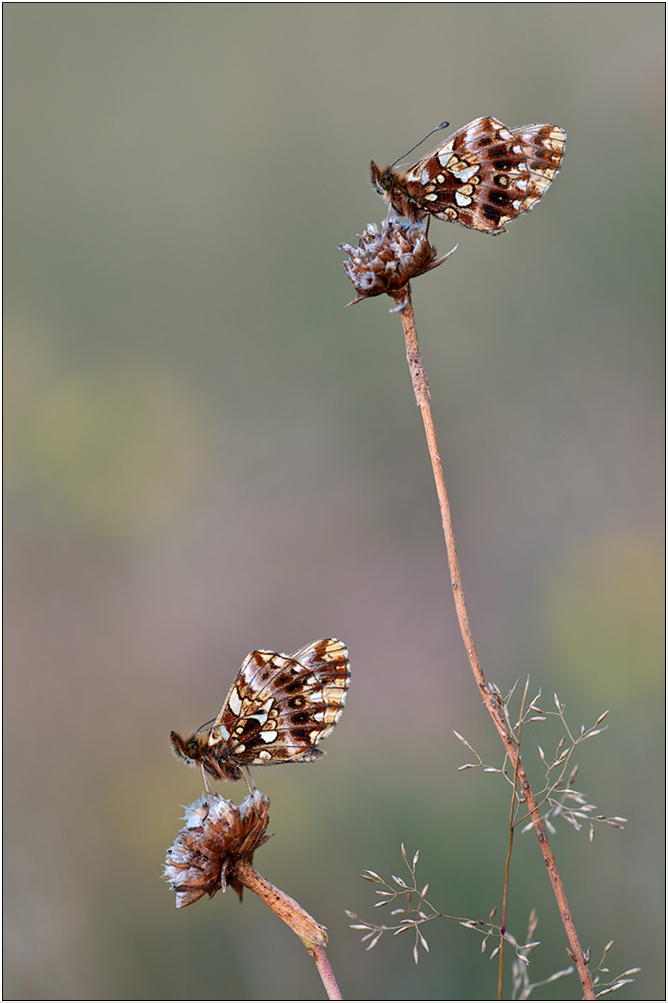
(278,709)
(481,177)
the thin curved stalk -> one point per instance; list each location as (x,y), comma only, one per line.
(422,394)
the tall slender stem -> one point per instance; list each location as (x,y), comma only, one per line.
(511,837)
(422,394)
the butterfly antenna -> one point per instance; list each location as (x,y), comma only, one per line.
(443,125)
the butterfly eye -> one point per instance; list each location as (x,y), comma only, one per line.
(191,749)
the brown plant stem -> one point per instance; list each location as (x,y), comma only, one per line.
(311,933)
(421,390)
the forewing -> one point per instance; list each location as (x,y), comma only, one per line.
(477,178)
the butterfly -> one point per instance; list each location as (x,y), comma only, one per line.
(482,176)
(278,709)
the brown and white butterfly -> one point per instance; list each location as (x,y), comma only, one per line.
(482,176)
(277,711)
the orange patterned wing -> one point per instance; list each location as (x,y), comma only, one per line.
(278,709)
(483,176)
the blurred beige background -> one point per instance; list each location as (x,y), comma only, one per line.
(205,454)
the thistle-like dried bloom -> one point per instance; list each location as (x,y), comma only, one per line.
(216,837)
(388,258)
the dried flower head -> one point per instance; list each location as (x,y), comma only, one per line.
(218,834)
(387,259)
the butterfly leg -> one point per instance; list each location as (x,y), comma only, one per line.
(250,783)
(207,785)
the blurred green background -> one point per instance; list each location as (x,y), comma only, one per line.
(206,454)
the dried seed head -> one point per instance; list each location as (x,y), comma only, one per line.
(387,259)
(217,834)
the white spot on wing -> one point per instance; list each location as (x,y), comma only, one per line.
(235,701)
(466,173)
